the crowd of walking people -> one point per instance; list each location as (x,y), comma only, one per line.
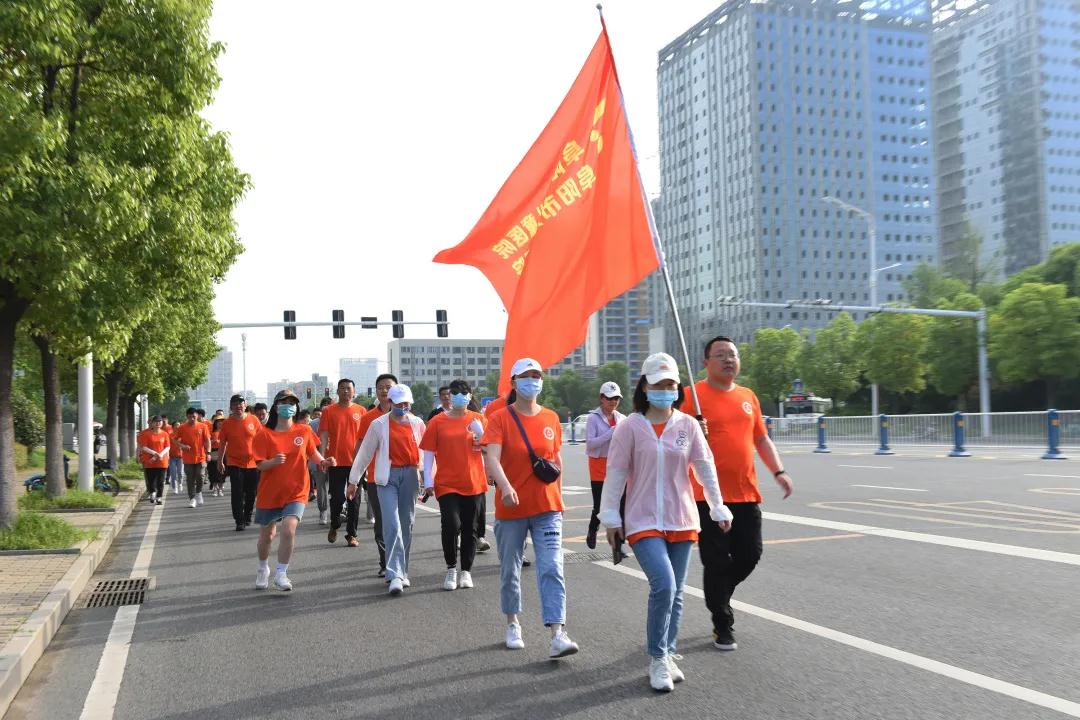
(664,477)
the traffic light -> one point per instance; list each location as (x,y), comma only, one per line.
(399,327)
(441,328)
(290,331)
(339,330)
(369,323)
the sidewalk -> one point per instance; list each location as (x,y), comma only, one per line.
(37,591)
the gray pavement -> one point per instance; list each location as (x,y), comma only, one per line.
(207,645)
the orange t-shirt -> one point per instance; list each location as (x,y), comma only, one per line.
(343,427)
(495,405)
(156,441)
(195,436)
(238,434)
(215,438)
(545,434)
(598,465)
(174,450)
(672,536)
(459,464)
(735,422)
(365,422)
(403,450)
(288,482)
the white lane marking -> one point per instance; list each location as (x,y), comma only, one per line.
(1056,491)
(1071,477)
(101,700)
(962,543)
(867,467)
(1017,692)
(888,487)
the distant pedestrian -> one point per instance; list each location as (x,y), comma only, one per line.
(339,430)
(260,411)
(393,443)
(154,445)
(176,461)
(649,457)
(598,430)
(194,439)
(282,450)
(237,458)
(444,403)
(213,467)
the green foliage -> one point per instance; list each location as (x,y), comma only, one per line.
(952,348)
(1061,268)
(172,407)
(773,362)
(966,263)
(490,388)
(36,531)
(423,399)
(1035,335)
(891,348)
(29,421)
(38,500)
(828,365)
(573,394)
(927,286)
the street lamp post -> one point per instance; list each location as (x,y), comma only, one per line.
(871,230)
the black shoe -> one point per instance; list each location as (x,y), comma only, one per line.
(724,640)
(239,527)
(590,539)
(526,563)
(382,573)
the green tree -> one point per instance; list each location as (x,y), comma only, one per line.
(1035,335)
(490,388)
(774,362)
(572,393)
(423,399)
(891,349)
(927,286)
(966,263)
(1061,268)
(952,350)
(616,372)
(828,364)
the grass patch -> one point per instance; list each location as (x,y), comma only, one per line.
(29,459)
(38,500)
(130,470)
(34,531)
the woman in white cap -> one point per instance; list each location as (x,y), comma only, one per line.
(393,440)
(649,456)
(598,429)
(522,456)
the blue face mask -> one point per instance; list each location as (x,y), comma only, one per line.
(662,399)
(529,387)
(460,401)
(400,411)
(286,410)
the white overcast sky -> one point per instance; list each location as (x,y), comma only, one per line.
(376,134)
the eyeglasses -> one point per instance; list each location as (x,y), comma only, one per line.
(724,356)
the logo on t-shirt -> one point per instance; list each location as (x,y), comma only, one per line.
(682,439)
(250,426)
(356,416)
(747,408)
(549,433)
(298,441)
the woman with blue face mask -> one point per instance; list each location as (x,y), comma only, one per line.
(393,440)
(454,474)
(649,458)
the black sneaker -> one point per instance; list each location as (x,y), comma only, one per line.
(526,563)
(239,527)
(590,539)
(724,640)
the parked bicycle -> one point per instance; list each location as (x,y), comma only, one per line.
(104,480)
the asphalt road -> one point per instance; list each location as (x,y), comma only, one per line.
(844,621)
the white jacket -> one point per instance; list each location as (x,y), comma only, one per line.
(654,472)
(376,445)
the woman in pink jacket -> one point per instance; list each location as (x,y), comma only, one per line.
(649,457)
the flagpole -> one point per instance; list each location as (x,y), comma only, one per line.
(658,245)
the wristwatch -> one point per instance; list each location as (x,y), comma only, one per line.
(779,472)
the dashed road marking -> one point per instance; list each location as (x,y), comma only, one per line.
(888,487)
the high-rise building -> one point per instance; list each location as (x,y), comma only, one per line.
(438,361)
(619,332)
(766,108)
(214,394)
(1007,125)
(308,391)
(362,371)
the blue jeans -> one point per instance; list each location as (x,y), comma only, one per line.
(176,471)
(397,498)
(546,530)
(665,565)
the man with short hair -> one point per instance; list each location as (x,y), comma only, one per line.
(237,457)
(382,406)
(735,429)
(444,403)
(261,411)
(194,439)
(339,433)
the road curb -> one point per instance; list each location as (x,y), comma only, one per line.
(25,648)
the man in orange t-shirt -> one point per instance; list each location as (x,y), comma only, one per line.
(194,439)
(735,429)
(339,431)
(236,457)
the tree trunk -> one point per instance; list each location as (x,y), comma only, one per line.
(11,310)
(127,431)
(54,429)
(112,420)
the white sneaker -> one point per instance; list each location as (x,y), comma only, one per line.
(191,503)
(465,579)
(482,545)
(262,578)
(324,517)
(396,586)
(677,675)
(513,637)
(175,491)
(660,676)
(198,498)
(153,498)
(282,582)
(562,645)
(405,582)
(451,581)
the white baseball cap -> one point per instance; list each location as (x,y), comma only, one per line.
(400,394)
(660,366)
(610,390)
(524,365)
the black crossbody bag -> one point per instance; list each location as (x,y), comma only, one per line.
(544,469)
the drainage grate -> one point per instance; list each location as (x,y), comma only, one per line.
(117,592)
(584,557)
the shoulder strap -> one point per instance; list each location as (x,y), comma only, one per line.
(528,445)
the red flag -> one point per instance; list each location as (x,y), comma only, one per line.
(568,231)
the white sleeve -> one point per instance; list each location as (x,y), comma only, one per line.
(363,457)
(620,454)
(429,469)
(702,459)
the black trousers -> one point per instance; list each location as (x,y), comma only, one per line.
(155,480)
(481,516)
(338,478)
(597,491)
(728,558)
(243,485)
(458,513)
(373,500)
